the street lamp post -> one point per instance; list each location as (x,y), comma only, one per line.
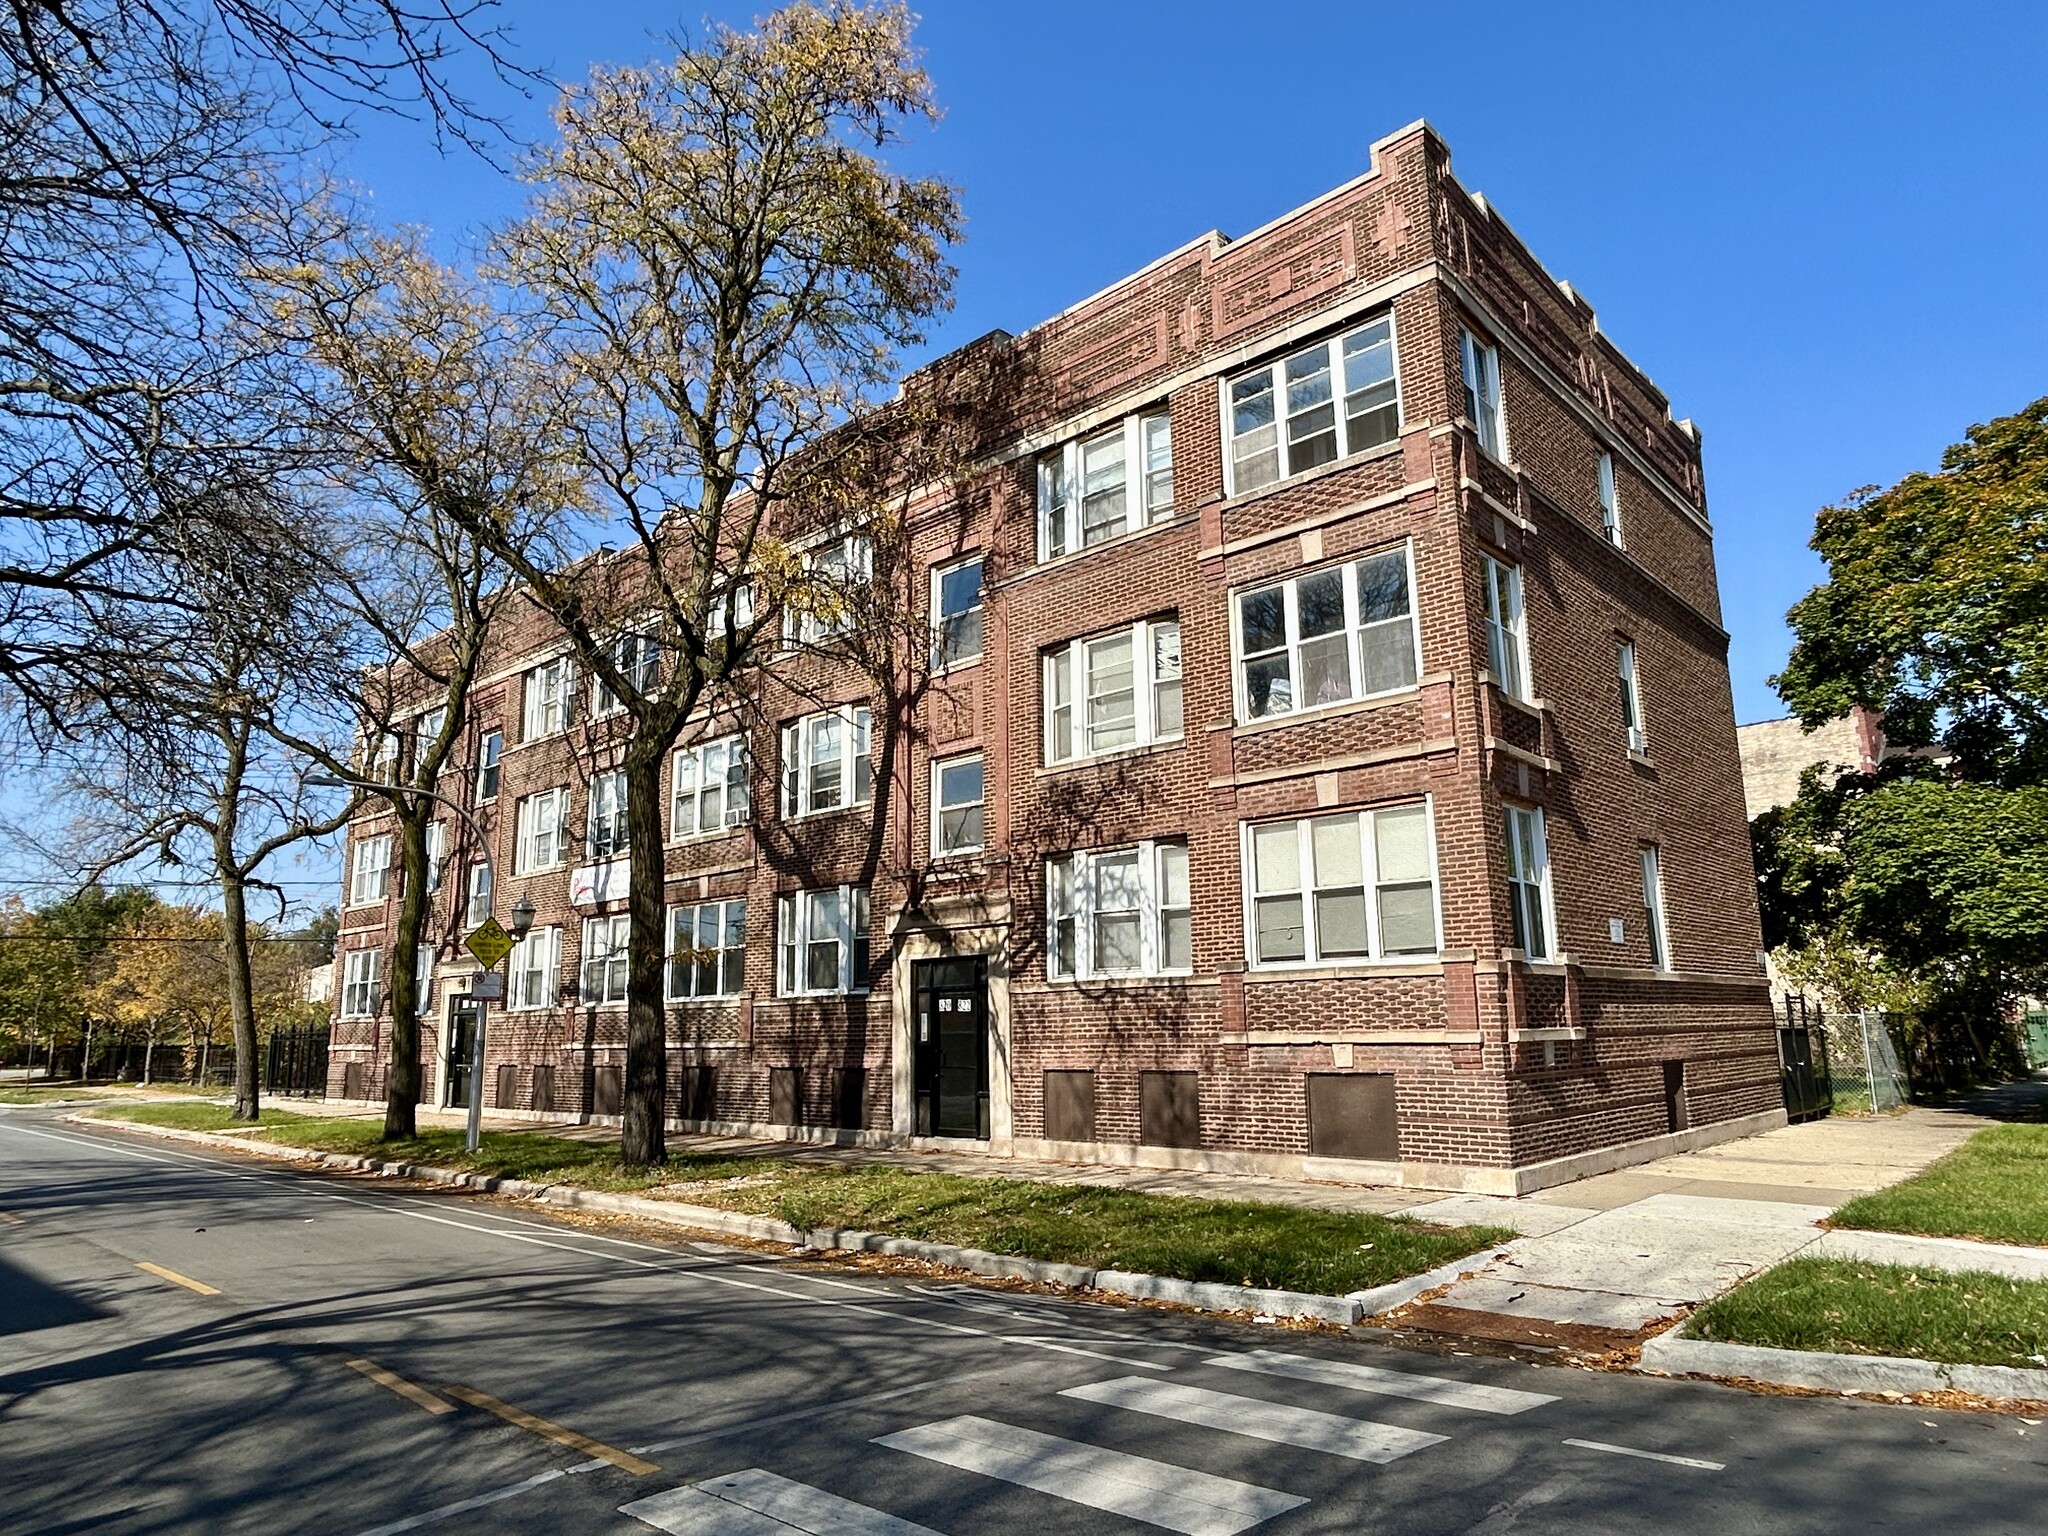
(522,920)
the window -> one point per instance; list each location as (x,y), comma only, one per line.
(605,837)
(1120,912)
(489,750)
(708,790)
(835,570)
(1355,886)
(547,699)
(478,906)
(540,842)
(1288,417)
(426,729)
(735,605)
(1507,633)
(635,655)
(1087,494)
(1482,396)
(1114,692)
(1528,880)
(956,609)
(1631,700)
(825,762)
(707,950)
(536,963)
(606,958)
(380,754)
(1343,633)
(359,983)
(371,877)
(437,854)
(956,806)
(1653,908)
(1610,506)
(824,938)
(423,978)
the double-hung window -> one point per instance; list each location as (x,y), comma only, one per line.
(1653,908)
(605,837)
(540,840)
(836,572)
(823,940)
(1610,502)
(708,789)
(359,980)
(1345,632)
(1528,880)
(1120,912)
(1322,403)
(606,958)
(437,854)
(1113,692)
(826,761)
(707,950)
(370,877)
(1507,629)
(956,613)
(1105,485)
(426,730)
(638,658)
(1482,396)
(536,963)
(423,978)
(478,905)
(732,607)
(957,806)
(547,699)
(1631,697)
(490,748)
(1356,886)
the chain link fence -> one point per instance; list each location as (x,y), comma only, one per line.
(1869,1077)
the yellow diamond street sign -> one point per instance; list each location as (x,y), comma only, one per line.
(490,943)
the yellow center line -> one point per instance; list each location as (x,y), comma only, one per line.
(405,1389)
(554,1432)
(177,1279)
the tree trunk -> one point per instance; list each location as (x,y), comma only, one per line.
(148,1055)
(241,993)
(402,1088)
(643,1140)
(85,1062)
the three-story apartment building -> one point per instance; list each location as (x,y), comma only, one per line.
(1328,763)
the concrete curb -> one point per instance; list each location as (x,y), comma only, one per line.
(1206,1296)
(1398,1293)
(1957,1255)
(1669,1354)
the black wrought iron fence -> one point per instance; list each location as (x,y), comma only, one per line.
(1803,1060)
(296,1063)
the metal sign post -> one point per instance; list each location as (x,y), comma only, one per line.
(490,943)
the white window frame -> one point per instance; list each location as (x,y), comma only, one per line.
(544,698)
(1371,887)
(728,756)
(795,917)
(533,975)
(941,849)
(605,834)
(1079,872)
(426,725)
(490,756)
(1274,374)
(370,870)
(437,855)
(1521,881)
(854,765)
(850,560)
(423,978)
(527,834)
(1507,628)
(361,976)
(643,669)
(1354,632)
(1610,500)
(1067,671)
(943,657)
(476,899)
(731,962)
(1655,929)
(1062,490)
(605,957)
(1480,361)
(1631,697)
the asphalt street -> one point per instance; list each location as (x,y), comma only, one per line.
(196,1342)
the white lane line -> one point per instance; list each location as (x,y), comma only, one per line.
(464,1506)
(1279,1423)
(1370,1378)
(1629,1450)
(754,1501)
(1178,1498)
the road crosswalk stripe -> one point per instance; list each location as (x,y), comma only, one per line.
(758,1503)
(1280,1423)
(1177,1498)
(1370,1378)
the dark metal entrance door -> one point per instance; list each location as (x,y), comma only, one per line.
(950,1001)
(461,1049)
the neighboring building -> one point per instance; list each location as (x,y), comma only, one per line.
(1333,769)
(1776,752)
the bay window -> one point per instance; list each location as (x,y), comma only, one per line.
(1113,692)
(606,958)
(1120,912)
(826,761)
(823,938)
(1314,406)
(707,950)
(1359,885)
(1105,485)
(536,962)
(539,832)
(1345,632)
(708,789)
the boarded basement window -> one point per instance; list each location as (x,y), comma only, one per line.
(849,1097)
(696,1092)
(1169,1109)
(543,1098)
(1352,1114)
(352,1080)
(508,1086)
(607,1090)
(1674,1096)
(1070,1106)
(785,1098)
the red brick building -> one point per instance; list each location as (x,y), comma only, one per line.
(1331,768)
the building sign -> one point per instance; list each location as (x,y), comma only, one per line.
(592,884)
